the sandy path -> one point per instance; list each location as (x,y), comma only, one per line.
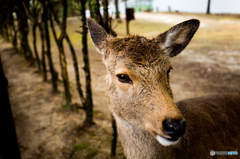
(43,129)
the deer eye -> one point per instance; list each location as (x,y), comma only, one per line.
(124,78)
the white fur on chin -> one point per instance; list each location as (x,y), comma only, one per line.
(165,142)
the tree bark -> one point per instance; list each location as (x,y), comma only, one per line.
(8,138)
(23,28)
(117,11)
(88,100)
(34,20)
(114,136)
(75,64)
(7,37)
(35,47)
(208,7)
(90,9)
(99,16)
(48,46)
(44,69)
(15,31)
(105,3)
(24,39)
(62,57)
(74,57)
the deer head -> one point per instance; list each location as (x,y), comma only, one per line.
(138,86)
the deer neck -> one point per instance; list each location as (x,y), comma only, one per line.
(137,143)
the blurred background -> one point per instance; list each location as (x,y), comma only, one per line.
(56,78)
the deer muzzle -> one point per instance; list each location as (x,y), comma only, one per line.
(167,125)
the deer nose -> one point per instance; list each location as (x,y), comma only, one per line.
(174,128)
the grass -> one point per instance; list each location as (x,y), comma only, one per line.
(218,36)
(212,37)
(138,27)
(224,38)
(209,16)
(78,147)
(91,153)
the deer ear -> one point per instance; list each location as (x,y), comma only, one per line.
(173,41)
(97,34)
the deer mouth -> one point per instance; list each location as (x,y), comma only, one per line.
(165,141)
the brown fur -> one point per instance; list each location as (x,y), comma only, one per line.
(141,107)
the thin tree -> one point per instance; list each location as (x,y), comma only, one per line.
(24,30)
(4,18)
(33,14)
(62,56)
(99,16)
(15,32)
(43,60)
(117,11)
(73,53)
(105,15)
(208,7)
(88,99)
(91,9)
(107,26)
(48,45)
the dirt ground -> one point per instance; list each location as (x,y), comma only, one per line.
(45,130)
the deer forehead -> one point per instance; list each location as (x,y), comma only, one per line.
(136,48)
(135,53)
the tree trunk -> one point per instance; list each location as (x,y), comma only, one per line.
(75,64)
(105,3)
(23,25)
(99,16)
(90,8)
(88,101)
(8,139)
(48,47)
(7,37)
(35,46)
(117,11)
(208,7)
(14,39)
(74,57)
(114,136)
(62,56)
(29,51)
(44,69)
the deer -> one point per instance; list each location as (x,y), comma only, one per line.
(150,124)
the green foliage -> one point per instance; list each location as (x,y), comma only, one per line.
(95,111)
(64,106)
(59,128)
(83,145)
(91,153)
(94,9)
(78,147)
(92,134)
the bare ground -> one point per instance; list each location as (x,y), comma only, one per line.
(46,130)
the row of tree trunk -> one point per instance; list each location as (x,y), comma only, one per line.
(43,15)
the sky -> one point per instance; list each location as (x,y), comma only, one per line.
(199,6)
(194,6)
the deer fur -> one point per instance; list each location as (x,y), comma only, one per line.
(140,98)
